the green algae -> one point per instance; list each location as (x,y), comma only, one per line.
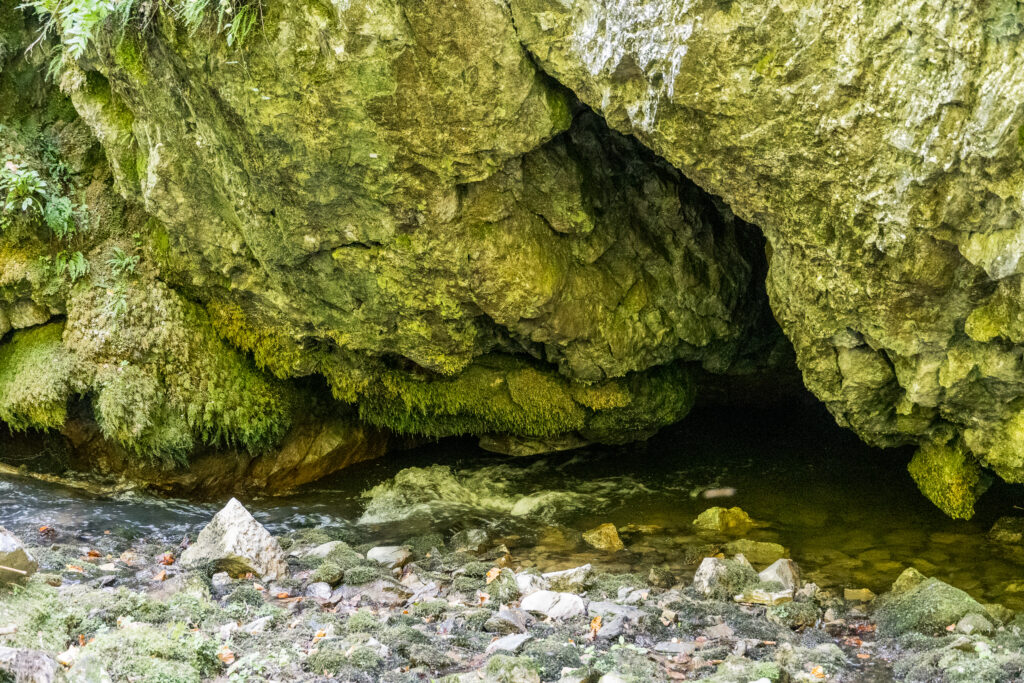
(949,476)
(35,378)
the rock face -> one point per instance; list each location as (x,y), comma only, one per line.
(236,543)
(888,184)
(494,219)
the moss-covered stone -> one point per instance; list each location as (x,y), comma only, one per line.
(949,476)
(927,607)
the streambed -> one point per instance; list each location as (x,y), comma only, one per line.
(848,514)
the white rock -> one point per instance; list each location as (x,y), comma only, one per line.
(530,583)
(554,605)
(708,575)
(323,549)
(568,579)
(390,556)
(510,643)
(612,677)
(237,544)
(321,590)
(783,571)
(16,562)
(28,666)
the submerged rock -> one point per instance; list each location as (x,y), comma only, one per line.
(391,556)
(16,563)
(1008,530)
(732,520)
(761,552)
(235,542)
(604,537)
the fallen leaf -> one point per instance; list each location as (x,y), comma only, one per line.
(258,587)
(94,553)
(75,568)
(817,672)
(167,559)
(951,627)
(492,574)
(863,655)
(281,596)
(225,655)
(595,626)
(162,576)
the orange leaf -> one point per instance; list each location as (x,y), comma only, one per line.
(951,627)
(258,587)
(817,672)
(225,655)
(492,574)
(81,640)
(863,655)
(162,576)
(595,626)
(75,568)
(282,596)
(94,553)
(43,529)
(167,559)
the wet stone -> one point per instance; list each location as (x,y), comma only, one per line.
(784,572)
(604,537)
(509,620)
(569,580)
(724,520)
(236,543)
(974,623)
(758,552)
(1007,530)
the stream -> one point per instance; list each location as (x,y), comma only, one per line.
(848,514)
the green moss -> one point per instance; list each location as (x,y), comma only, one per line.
(948,476)
(35,378)
(164,380)
(148,654)
(363,621)
(927,607)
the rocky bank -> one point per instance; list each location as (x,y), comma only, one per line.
(242,605)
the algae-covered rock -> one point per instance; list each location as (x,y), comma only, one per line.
(722,579)
(928,608)
(732,520)
(604,537)
(16,562)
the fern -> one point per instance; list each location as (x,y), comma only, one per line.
(122,263)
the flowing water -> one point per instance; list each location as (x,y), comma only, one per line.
(849,514)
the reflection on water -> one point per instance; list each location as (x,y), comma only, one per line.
(848,514)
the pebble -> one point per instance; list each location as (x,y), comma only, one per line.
(669,647)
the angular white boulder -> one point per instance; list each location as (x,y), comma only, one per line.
(783,571)
(16,563)
(391,556)
(236,543)
(554,605)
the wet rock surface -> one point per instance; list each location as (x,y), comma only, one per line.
(236,543)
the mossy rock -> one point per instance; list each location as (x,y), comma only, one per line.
(927,607)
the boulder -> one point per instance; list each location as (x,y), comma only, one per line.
(236,543)
(28,666)
(928,607)
(391,556)
(721,520)
(16,563)
(974,623)
(784,572)
(554,605)
(604,537)
(721,579)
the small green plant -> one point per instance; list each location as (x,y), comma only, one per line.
(73,264)
(24,189)
(122,263)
